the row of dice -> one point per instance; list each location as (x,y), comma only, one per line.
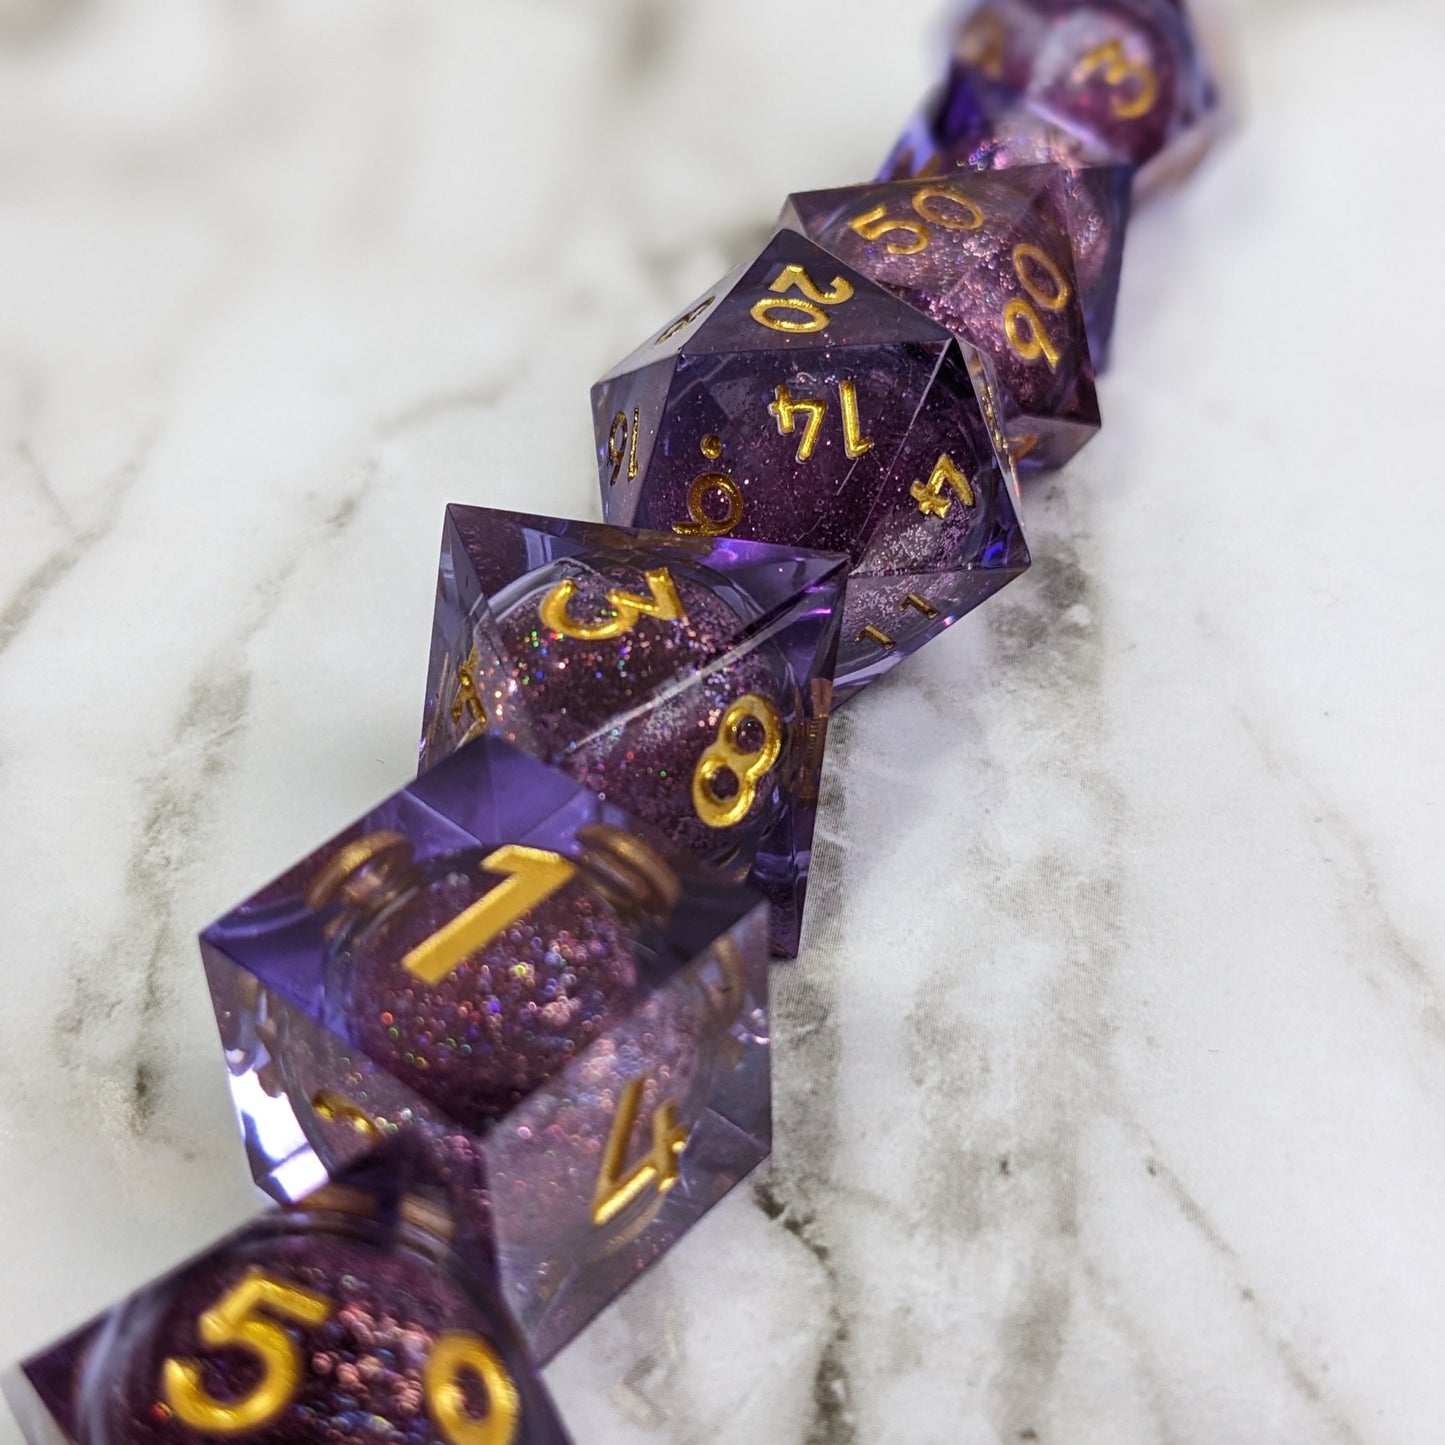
(499,1042)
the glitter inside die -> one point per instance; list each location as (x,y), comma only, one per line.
(347,1319)
(988,256)
(1127,78)
(686,679)
(1093,192)
(569,1015)
(800,403)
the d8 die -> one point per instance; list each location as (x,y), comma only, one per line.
(687,679)
(988,257)
(573,1022)
(799,403)
(348,1319)
(947,134)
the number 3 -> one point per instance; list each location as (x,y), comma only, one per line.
(1118,70)
(233,1321)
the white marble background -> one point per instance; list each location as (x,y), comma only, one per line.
(1111,1082)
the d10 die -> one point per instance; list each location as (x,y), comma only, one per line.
(347,1319)
(947,134)
(1125,76)
(573,1023)
(686,679)
(799,403)
(988,257)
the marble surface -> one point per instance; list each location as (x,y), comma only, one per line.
(1111,1081)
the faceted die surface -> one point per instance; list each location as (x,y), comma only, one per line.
(687,679)
(987,256)
(1126,77)
(802,404)
(1095,195)
(348,1318)
(495,962)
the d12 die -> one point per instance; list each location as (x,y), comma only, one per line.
(988,257)
(574,1023)
(947,134)
(1125,76)
(800,403)
(345,1320)
(687,679)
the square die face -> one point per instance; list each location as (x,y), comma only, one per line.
(686,679)
(347,1319)
(531,988)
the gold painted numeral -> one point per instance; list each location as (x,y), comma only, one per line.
(457,1353)
(468,699)
(533,875)
(785,406)
(1135,80)
(854,445)
(656,1169)
(663,604)
(724,755)
(699,523)
(683,321)
(622,444)
(814,318)
(945,475)
(983,43)
(875,224)
(918,604)
(234,1322)
(869,633)
(1021,323)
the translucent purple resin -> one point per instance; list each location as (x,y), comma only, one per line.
(798,402)
(987,256)
(685,679)
(569,1016)
(345,1319)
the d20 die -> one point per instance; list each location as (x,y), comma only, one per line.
(988,257)
(686,679)
(1125,76)
(573,1022)
(948,135)
(346,1319)
(800,403)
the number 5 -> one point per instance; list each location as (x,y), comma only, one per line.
(233,1321)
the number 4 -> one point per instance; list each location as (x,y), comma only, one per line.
(616,1190)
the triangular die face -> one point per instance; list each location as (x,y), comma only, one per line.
(888,618)
(945,504)
(670,337)
(786,446)
(795,296)
(626,412)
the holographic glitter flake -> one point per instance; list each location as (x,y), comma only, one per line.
(804,405)
(570,1016)
(686,679)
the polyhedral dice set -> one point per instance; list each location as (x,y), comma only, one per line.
(499,1042)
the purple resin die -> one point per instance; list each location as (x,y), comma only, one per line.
(1094,194)
(799,403)
(686,679)
(346,1319)
(569,1015)
(1126,78)
(987,256)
